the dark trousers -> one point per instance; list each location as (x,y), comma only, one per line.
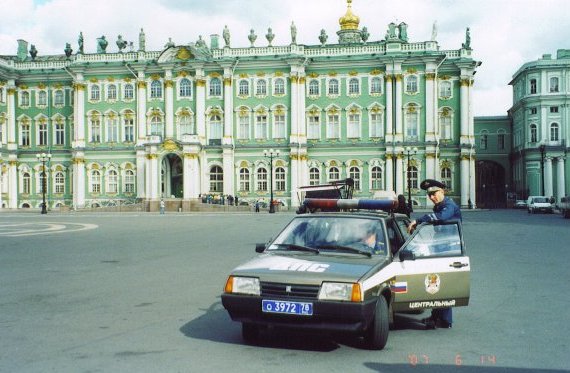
(444,314)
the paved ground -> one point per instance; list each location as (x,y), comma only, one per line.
(140,293)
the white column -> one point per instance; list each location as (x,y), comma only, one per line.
(430,106)
(301,117)
(201,107)
(561,187)
(389,109)
(464,110)
(399,174)
(389,172)
(227,141)
(169,105)
(78,181)
(398,109)
(78,140)
(11,116)
(141,109)
(548,189)
(465,182)
(294,136)
(13,183)
(141,178)
(229,170)
(430,165)
(473,192)
(294,169)
(191,176)
(153,176)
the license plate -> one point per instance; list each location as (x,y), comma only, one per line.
(290,308)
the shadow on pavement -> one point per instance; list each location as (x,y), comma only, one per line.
(425,368)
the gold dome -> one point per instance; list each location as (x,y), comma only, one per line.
(349,21)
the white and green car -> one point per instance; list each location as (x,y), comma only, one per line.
(318,274)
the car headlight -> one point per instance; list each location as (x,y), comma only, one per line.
(340,291)
(242,285)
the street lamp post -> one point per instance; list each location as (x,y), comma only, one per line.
(43,157)
(271,153)
(410,151)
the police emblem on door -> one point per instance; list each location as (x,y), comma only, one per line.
(432,283)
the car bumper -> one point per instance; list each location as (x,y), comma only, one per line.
(327,316)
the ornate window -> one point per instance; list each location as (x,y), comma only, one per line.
(95,93)
(25,98)
(216,179)
(376,127)
(334,174)
(156,125)
(376,178)
(42,98)
(59,181)
(243,88)
(261,88)
(413,175)
(445,124)
(156,89)
(95,181)
(185,88)
(112,181)
(314,126)
(554,84)
(112,128)
(376,86)
(412,84)
(279,87)
(25,134)
(128,91)
(26,183)
(59,133)
(280,179)
(42,134)
(533,133)
(243,131)
(412,122)
(129,127)
(129,181)
(215,127)
(533,86)
(554,132)
(261,126)
(279,124)
(58,98)
(333,125)
(333,87)
(445,89)
(353,128)
(215,87)
(354,173)
(244,180)
(314,176)
(314,88)
(261,179)
(446,176)
(186,124)
(353,86)
(111,92)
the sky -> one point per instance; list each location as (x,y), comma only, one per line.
(504,33)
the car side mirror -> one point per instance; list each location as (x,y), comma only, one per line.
(407,255)
(260,247)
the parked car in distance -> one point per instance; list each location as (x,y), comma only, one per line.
(565,207)
(539,204)
(520,204)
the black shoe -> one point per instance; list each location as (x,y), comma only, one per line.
(443,324)
(429,323)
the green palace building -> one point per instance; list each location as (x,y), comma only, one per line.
(189,120)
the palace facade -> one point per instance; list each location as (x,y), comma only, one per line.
(196,119)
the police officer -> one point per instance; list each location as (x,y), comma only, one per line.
(444,209)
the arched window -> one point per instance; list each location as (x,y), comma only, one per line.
(58,98)
(42,98)
(412,122)
(59,179)
(280,179)
(261,179)
(533,133)
(354,173)
(244,180)
(25,132)
(215,127)
(376,178)
(314,126)
(446,176)
(129,181)
(445,89)
(261,125)
(314,87)
(156,125)
(554,132)
(129,126)
(412,84)
(185,88)
(353,129)
(333,87)
(112,181)
(129,92)
(314,176)
(42,134)
(376,85)
(95,93)
(186,125)
(156,89)
(216,179)
(353,86)
(112,128)
(376,128)
(111,92)
(26,189)
(243,131)
(554,84)
(215,87)
(59,133)
(25,98)
(261,88)
(279,87)
(334,174)
(95,181)
(333,125)
(445,124)
(243,88)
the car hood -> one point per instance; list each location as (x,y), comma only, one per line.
(307,268)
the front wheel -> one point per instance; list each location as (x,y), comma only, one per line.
(377,334)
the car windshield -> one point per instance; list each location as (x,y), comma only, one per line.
(357,236)
(540,200)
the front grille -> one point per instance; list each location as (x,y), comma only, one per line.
(272,289)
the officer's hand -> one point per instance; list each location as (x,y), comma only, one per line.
(412,226)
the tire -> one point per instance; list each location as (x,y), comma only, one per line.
(249,332)
(377,334)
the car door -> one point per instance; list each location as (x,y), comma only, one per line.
(434,269)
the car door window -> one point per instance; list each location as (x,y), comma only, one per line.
(436,241)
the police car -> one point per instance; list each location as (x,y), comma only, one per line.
(349,271)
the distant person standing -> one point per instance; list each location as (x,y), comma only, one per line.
(444,209)
(256,206)
(162,205)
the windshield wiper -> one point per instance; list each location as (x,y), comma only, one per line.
(292,246)
(346,248)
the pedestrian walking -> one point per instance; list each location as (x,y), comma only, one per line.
(256,206)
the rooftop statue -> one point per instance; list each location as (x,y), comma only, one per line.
(434,31)
(33,51)
(270,35)
(121,43)
(80,42)
(323,37)
(68,51)
(102,44)
(142,41)
(403,29)
(467,44)
(365,34)
(169,44)
(293,33)
(392,31)
(226,35)
(252,37)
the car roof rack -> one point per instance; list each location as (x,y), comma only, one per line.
(328,204)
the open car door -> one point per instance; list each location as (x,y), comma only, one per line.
(434,269)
